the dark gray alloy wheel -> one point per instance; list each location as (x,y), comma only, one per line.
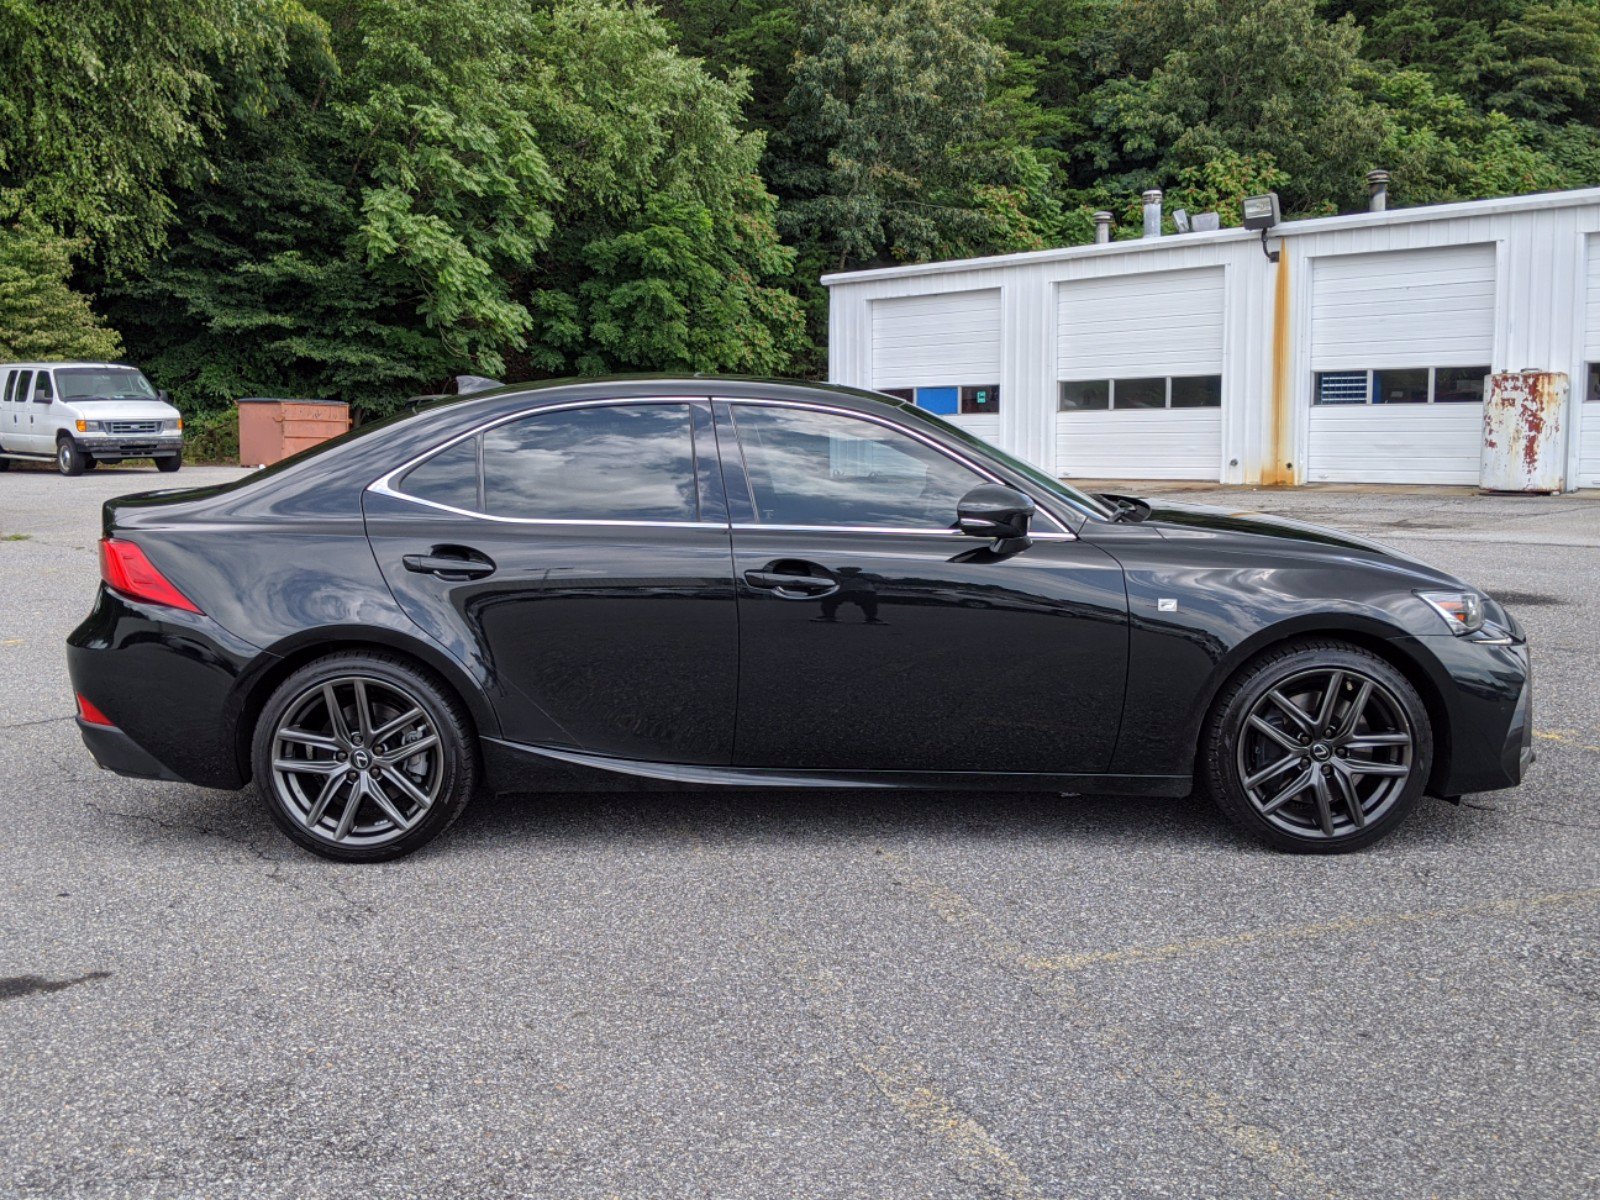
(69,459)
(1320,747)
(363,757)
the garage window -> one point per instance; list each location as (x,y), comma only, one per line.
(1155,391)
(1593,394)
(947,399)
(1409,385)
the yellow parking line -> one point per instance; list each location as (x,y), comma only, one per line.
(1566,738)
(1299,933)
(979,1158)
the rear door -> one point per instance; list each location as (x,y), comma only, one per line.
(578,557)
(873,636)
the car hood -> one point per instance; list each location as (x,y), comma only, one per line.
(122,410)
(1178,518)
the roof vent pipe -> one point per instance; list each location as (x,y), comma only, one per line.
(1152,213)
(1377,191)
(1102,226)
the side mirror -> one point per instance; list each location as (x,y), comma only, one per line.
(163,397)
(994,511)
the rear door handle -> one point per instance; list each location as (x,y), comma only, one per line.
(448,566)
(791,587)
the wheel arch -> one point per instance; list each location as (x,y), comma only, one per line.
(288,656)
(1387,642)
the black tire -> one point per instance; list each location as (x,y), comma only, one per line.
(169,463)
(1354,791)
(388,682)
(5,464)
(90,462)
(69,459)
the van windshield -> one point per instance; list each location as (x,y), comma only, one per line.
(103,383)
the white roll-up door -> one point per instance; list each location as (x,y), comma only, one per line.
(943,351)
(1400,342)
(1139,358)
(1589,417)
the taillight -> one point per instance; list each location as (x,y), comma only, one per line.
(125,569)
(90,714)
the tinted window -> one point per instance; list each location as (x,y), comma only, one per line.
(1197,391)
(1400,387)
(43,392)
(1086,393)
(1459,385)
(815,468)
(1140,393)
(449,477)
(909,394)
(982,399)
(626,462)
(24,382)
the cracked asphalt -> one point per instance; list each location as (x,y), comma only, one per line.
(783,995)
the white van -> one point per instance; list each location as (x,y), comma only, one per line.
(78,414)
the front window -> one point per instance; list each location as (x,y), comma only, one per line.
(827,469)
(103,383)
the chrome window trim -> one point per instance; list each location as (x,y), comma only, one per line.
(937,447)
(387,483)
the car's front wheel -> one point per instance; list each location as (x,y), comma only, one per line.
(362,756)
(169,463)
(1317,747)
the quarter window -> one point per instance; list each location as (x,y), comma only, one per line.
(1152,391)
(817,468)
(1410,385)
(449,477)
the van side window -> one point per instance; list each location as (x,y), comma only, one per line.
(23,381)
(11,385)
(43,391)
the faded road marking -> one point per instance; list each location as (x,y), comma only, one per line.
(1566,738)
(1257,1144)
(1297,933)
(980,1160)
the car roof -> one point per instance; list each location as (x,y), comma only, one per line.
(642,386)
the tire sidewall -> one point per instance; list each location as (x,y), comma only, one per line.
(1239,698)
(440,706)
(69,459)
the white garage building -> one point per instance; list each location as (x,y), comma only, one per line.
(1358,357)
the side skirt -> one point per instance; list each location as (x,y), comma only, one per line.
(515,767)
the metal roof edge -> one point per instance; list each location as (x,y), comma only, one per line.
(1311,225)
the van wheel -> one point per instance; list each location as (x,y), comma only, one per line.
(69,459)
(169,464)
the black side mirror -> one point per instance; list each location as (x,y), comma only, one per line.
(163,397)
(992,510)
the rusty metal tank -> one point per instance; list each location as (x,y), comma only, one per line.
(1524,436)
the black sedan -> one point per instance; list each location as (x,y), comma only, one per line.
(691,582)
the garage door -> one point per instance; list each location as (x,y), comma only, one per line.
(1400,344)
(943,352)
(1140,370)
(1587,385)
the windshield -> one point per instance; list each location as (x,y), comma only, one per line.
(1050,485)
(103,383)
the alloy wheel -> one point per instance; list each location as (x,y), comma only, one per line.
(1325,752)
(357,761)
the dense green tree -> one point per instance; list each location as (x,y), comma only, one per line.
(40,315)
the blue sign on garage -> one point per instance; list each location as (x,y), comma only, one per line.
(941,400)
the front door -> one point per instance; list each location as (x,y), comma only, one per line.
(579,561)
(873,636)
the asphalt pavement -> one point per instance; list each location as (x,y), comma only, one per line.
(802,995)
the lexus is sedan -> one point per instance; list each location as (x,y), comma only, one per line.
(692,582)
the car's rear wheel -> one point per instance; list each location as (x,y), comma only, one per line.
(362,756)
(69,459)
(1317,747)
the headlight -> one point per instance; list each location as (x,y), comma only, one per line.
(175,426)
(87,426)
(1462,611)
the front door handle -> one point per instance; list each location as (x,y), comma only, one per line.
(448,566)
(789,586)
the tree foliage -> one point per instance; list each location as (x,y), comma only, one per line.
(359,198)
